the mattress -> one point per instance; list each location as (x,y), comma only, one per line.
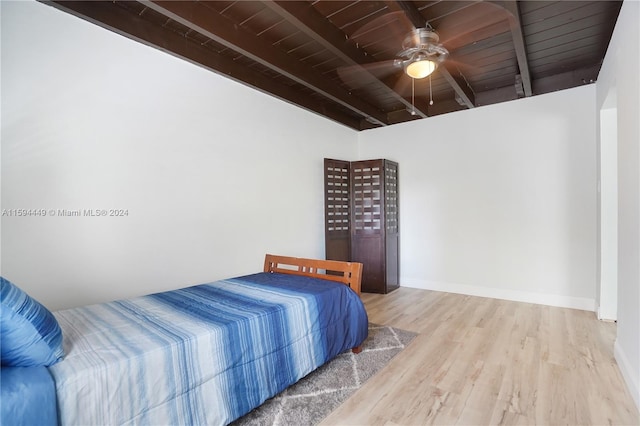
(206,354)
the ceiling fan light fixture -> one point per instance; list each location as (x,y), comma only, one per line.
(420,68)
(422,53)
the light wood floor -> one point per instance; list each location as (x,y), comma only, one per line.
(479,361)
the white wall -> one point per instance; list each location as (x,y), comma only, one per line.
(499,201)
(213,174)
(621,73)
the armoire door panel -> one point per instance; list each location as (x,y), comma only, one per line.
(368,251)
(392,262)
(338,249)
(367,196)
(336,209)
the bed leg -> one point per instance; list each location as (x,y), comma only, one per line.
(357,349)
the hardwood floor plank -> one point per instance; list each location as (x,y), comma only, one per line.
(480,361)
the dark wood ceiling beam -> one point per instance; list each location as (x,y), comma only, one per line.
(462,89)
(400,116)
(365,125)
(441,107)
(494,96)
(121,21)
(574,78)
(515,23)
(552,83)
(218,28)
(306,19)
(459,85)
(566,80)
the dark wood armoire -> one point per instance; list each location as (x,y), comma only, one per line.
(361,219)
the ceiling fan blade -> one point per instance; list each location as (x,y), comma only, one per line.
(386,34)
(383,34)
(461,66)
(471,24)
(357,76)
(403,86)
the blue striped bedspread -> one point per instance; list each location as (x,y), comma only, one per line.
(206,354)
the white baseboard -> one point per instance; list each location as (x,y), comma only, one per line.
(627,373)
(582,303)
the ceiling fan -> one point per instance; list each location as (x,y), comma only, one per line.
(421,53)
(417,51)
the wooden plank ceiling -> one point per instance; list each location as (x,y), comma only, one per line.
(335,58)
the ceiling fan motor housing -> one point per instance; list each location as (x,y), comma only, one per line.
(420,37)
(422,44)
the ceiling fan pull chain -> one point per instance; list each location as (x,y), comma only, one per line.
(413,103)
(430,92)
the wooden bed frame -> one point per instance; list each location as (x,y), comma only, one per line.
(348,273)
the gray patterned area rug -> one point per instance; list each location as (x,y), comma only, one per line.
(314,397)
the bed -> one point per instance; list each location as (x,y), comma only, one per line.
(206,354)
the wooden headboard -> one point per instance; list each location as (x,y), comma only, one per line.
(348,273)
